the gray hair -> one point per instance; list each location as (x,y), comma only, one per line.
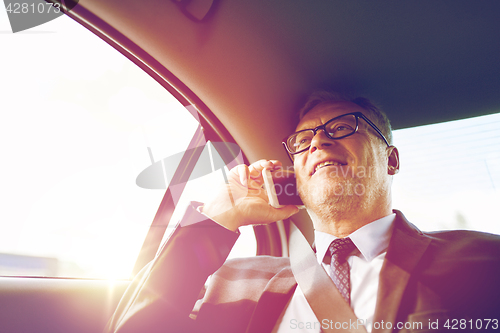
(378,117)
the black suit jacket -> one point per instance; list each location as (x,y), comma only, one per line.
(427,278)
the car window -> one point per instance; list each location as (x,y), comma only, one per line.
(202,189)
(79,123)
(450,174)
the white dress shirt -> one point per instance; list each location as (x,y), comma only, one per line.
(372,241)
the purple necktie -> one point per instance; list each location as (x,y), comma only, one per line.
(339,250)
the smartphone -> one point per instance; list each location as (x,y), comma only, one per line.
(281,188)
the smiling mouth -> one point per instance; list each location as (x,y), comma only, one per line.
(325,164)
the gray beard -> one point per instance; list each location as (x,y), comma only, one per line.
(336,202)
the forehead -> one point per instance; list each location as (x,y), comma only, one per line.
(325,111)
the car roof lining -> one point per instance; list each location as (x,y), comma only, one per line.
(423,62)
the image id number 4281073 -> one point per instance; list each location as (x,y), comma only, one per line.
(25,8)
(471,324)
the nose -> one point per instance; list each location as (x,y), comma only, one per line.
(319,141)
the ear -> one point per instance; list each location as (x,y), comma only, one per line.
(392,160)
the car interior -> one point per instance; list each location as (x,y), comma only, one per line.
(240,70)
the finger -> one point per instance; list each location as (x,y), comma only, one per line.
(254,184)
(276,164)
(264,164)
(239,174)
(257,167)
(244,174)
(258,192)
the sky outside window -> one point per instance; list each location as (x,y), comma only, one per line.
(450,174)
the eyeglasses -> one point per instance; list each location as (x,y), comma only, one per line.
(335,128)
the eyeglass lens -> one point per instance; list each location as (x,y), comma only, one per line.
(334,129)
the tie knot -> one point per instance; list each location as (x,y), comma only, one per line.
(341,247)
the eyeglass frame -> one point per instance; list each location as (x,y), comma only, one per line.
(316,129)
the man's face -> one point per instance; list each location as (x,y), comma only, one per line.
(338,176)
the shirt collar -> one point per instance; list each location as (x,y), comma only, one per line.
(371,239)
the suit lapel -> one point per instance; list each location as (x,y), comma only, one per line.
(276,295)
(406,247)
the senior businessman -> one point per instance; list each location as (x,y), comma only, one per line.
(388,275)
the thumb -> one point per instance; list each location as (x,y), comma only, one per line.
(284,212)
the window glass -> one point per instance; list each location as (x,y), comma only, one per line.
(202,189)
(79,123)
(450,174)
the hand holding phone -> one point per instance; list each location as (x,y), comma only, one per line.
(241,201)
(281,188)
